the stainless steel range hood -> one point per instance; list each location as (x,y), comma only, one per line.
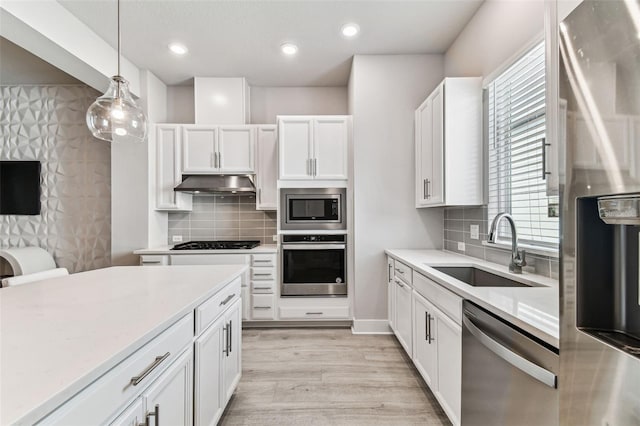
(216,184)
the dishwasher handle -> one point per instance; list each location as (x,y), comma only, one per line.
(542,375)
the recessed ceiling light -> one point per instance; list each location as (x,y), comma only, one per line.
(350,30)
(289,49)
(178,49)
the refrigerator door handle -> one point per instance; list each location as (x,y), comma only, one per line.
(522,364)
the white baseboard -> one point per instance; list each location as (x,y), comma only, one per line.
(370,327)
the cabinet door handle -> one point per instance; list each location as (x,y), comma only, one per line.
(544,158)
(156,414)
(429,319)
(225,351)
(390,269)
(428,189)
(309,171)
(135,380)
(213,160)
(315,167)
(426,326)
(229,297)
(259,195)
(219,159)
(424,188)
(230,337)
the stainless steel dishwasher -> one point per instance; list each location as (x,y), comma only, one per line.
(508,376)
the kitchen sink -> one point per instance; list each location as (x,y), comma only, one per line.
(477,277)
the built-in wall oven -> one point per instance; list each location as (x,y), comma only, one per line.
(311,209)
(314,265)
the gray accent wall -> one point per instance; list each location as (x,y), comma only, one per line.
(457,223)
(47,123)
(223,217)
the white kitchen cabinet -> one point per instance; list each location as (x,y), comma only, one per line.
(231,360)
(170,396)
(169,169)
(133,415)
(404,318)
(218,149)
(267,168)
(313,147)
(221,100)
(425,340)
(448,145)
(391,294)
(449,346)
(236,148)
(208,358)
(246,303)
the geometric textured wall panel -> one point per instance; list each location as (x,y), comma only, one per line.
(47,123)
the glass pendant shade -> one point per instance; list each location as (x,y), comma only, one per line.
(116,116)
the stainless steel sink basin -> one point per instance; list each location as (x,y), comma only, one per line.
(477,277)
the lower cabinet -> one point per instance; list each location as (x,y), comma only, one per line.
(425,353)
(208,375)
(404,320)
(431,337)
(168,400)
(391,294)
(231,361)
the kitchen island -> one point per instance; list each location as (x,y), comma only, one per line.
(66,341)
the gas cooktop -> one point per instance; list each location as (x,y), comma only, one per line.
(216,245)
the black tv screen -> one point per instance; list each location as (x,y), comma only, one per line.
(20,187)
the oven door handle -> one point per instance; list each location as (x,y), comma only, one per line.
(314,246)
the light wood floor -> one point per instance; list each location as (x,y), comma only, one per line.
(328,377)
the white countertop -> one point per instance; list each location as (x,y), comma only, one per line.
(59,335)
(534,309)
(267,248)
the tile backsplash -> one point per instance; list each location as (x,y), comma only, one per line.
(223,217)
(457,226)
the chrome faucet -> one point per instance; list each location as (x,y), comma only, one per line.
(518,258)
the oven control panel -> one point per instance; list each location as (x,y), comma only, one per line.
(314,238)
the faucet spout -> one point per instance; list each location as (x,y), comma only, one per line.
(518,258)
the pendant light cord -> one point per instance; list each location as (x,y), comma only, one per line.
(119,42)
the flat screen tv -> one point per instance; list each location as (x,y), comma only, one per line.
(20,187)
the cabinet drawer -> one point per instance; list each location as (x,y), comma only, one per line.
(402,271)
(333,312)
(263,286)
(263,274)
(103,398)
(263,306)
(442,298)
(154,260)
(208,311)
(263,259)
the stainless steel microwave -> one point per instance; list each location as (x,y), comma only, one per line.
(313,208)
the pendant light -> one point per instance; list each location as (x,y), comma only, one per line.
(115,114)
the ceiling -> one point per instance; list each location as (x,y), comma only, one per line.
(242,38)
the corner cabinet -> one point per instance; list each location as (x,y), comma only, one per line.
(448,145)
(169,169)
(314,147)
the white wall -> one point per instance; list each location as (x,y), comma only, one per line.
(269,102)
(499,30)
(135,224)
(384,92)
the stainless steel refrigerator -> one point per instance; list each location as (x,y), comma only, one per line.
(599,380)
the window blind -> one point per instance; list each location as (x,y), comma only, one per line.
(516,131)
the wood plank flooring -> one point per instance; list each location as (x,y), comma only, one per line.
(328,377)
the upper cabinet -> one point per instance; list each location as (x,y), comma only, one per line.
(314,147)
(169,169)
(218,149)
(448,145)
(221,100)
(267,168)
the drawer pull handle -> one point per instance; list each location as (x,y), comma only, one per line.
(229,297)
(262,307)
(400,270)
(135,380)
(263,275)
(399,283)
(262,260)
(151,262)
(156,414)
(314,313)
(262,288)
